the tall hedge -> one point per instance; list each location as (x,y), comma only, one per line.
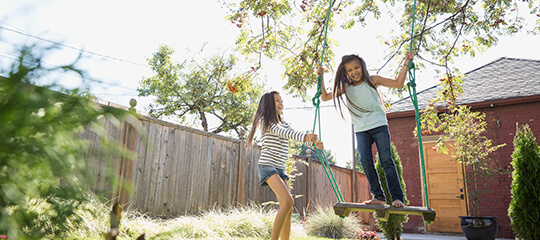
(524,209)
(393,228)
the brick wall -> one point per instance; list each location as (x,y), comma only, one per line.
(501,129)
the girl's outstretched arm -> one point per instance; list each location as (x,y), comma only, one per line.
(292,134)
(325,96)
(399,81)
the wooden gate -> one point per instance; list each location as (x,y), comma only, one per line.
(446,189)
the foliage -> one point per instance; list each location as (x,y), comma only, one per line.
(465,128)
(204,91)
(265,30)
(301,150)
(393,228)
(249,221)
(293,32)
(524,209)
(325,223)
(367,235)
(357,164)
(42,162)
(292,171)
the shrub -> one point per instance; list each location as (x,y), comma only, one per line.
(524,209)
(41,160)
(325,223)
(393,228)
(369,235)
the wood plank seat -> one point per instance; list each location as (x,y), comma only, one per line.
(384,211)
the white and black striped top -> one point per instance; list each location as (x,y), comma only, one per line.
(275,144)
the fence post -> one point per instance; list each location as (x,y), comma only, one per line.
(308,179)
(354,180)
(126,164)
(241,169)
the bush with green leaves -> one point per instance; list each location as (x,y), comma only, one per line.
(393,228)
(524,209)
(42,161)
(325,223)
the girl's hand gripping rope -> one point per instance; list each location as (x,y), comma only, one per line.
(314,138)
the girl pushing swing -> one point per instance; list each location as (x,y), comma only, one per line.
(275,133)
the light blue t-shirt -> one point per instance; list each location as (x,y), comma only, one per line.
(364,106)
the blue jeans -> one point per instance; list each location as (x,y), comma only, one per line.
(381,137)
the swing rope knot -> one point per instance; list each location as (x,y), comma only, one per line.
(316,100)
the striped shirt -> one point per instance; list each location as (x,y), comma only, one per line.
(275,144)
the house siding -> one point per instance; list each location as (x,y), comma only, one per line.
(501,129)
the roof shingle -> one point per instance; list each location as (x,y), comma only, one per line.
(501,79)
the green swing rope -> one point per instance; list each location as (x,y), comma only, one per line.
(411,85)
(316,102)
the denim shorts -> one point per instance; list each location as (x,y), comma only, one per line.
(266,172)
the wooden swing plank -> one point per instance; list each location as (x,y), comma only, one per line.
(384,211)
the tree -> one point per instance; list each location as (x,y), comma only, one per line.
(294,32)
(458,123)
(201,93)
(524,209)
(42,161)
(356,162)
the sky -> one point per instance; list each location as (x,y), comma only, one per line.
(119,36)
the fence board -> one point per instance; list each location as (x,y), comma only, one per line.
(198,177)
(115,130)
(300,186)
(92,166)
(362,189)
(232,172)
(185,186)
(139,160)
(173,176)
(166,171)
(251,177)
(217,187)
(159,168)
(156,133)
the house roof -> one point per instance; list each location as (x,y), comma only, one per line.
(500,80)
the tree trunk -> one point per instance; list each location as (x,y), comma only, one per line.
(204,122)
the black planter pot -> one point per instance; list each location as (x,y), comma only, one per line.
(479,228)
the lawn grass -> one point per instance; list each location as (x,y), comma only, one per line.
(252,222)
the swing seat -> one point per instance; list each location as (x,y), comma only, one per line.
(383,211)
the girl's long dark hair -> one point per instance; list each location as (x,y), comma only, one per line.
(342,81)
(266,115)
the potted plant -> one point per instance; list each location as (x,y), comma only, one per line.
(465,128)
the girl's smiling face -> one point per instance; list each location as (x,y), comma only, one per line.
(279,103)
(353,69)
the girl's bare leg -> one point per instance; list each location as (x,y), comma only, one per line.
(286,230)
(282,222)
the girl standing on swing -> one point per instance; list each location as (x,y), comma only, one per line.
(275,133)
(369,119)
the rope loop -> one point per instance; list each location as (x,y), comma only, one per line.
(316,100)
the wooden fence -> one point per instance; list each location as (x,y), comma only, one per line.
(168,170)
